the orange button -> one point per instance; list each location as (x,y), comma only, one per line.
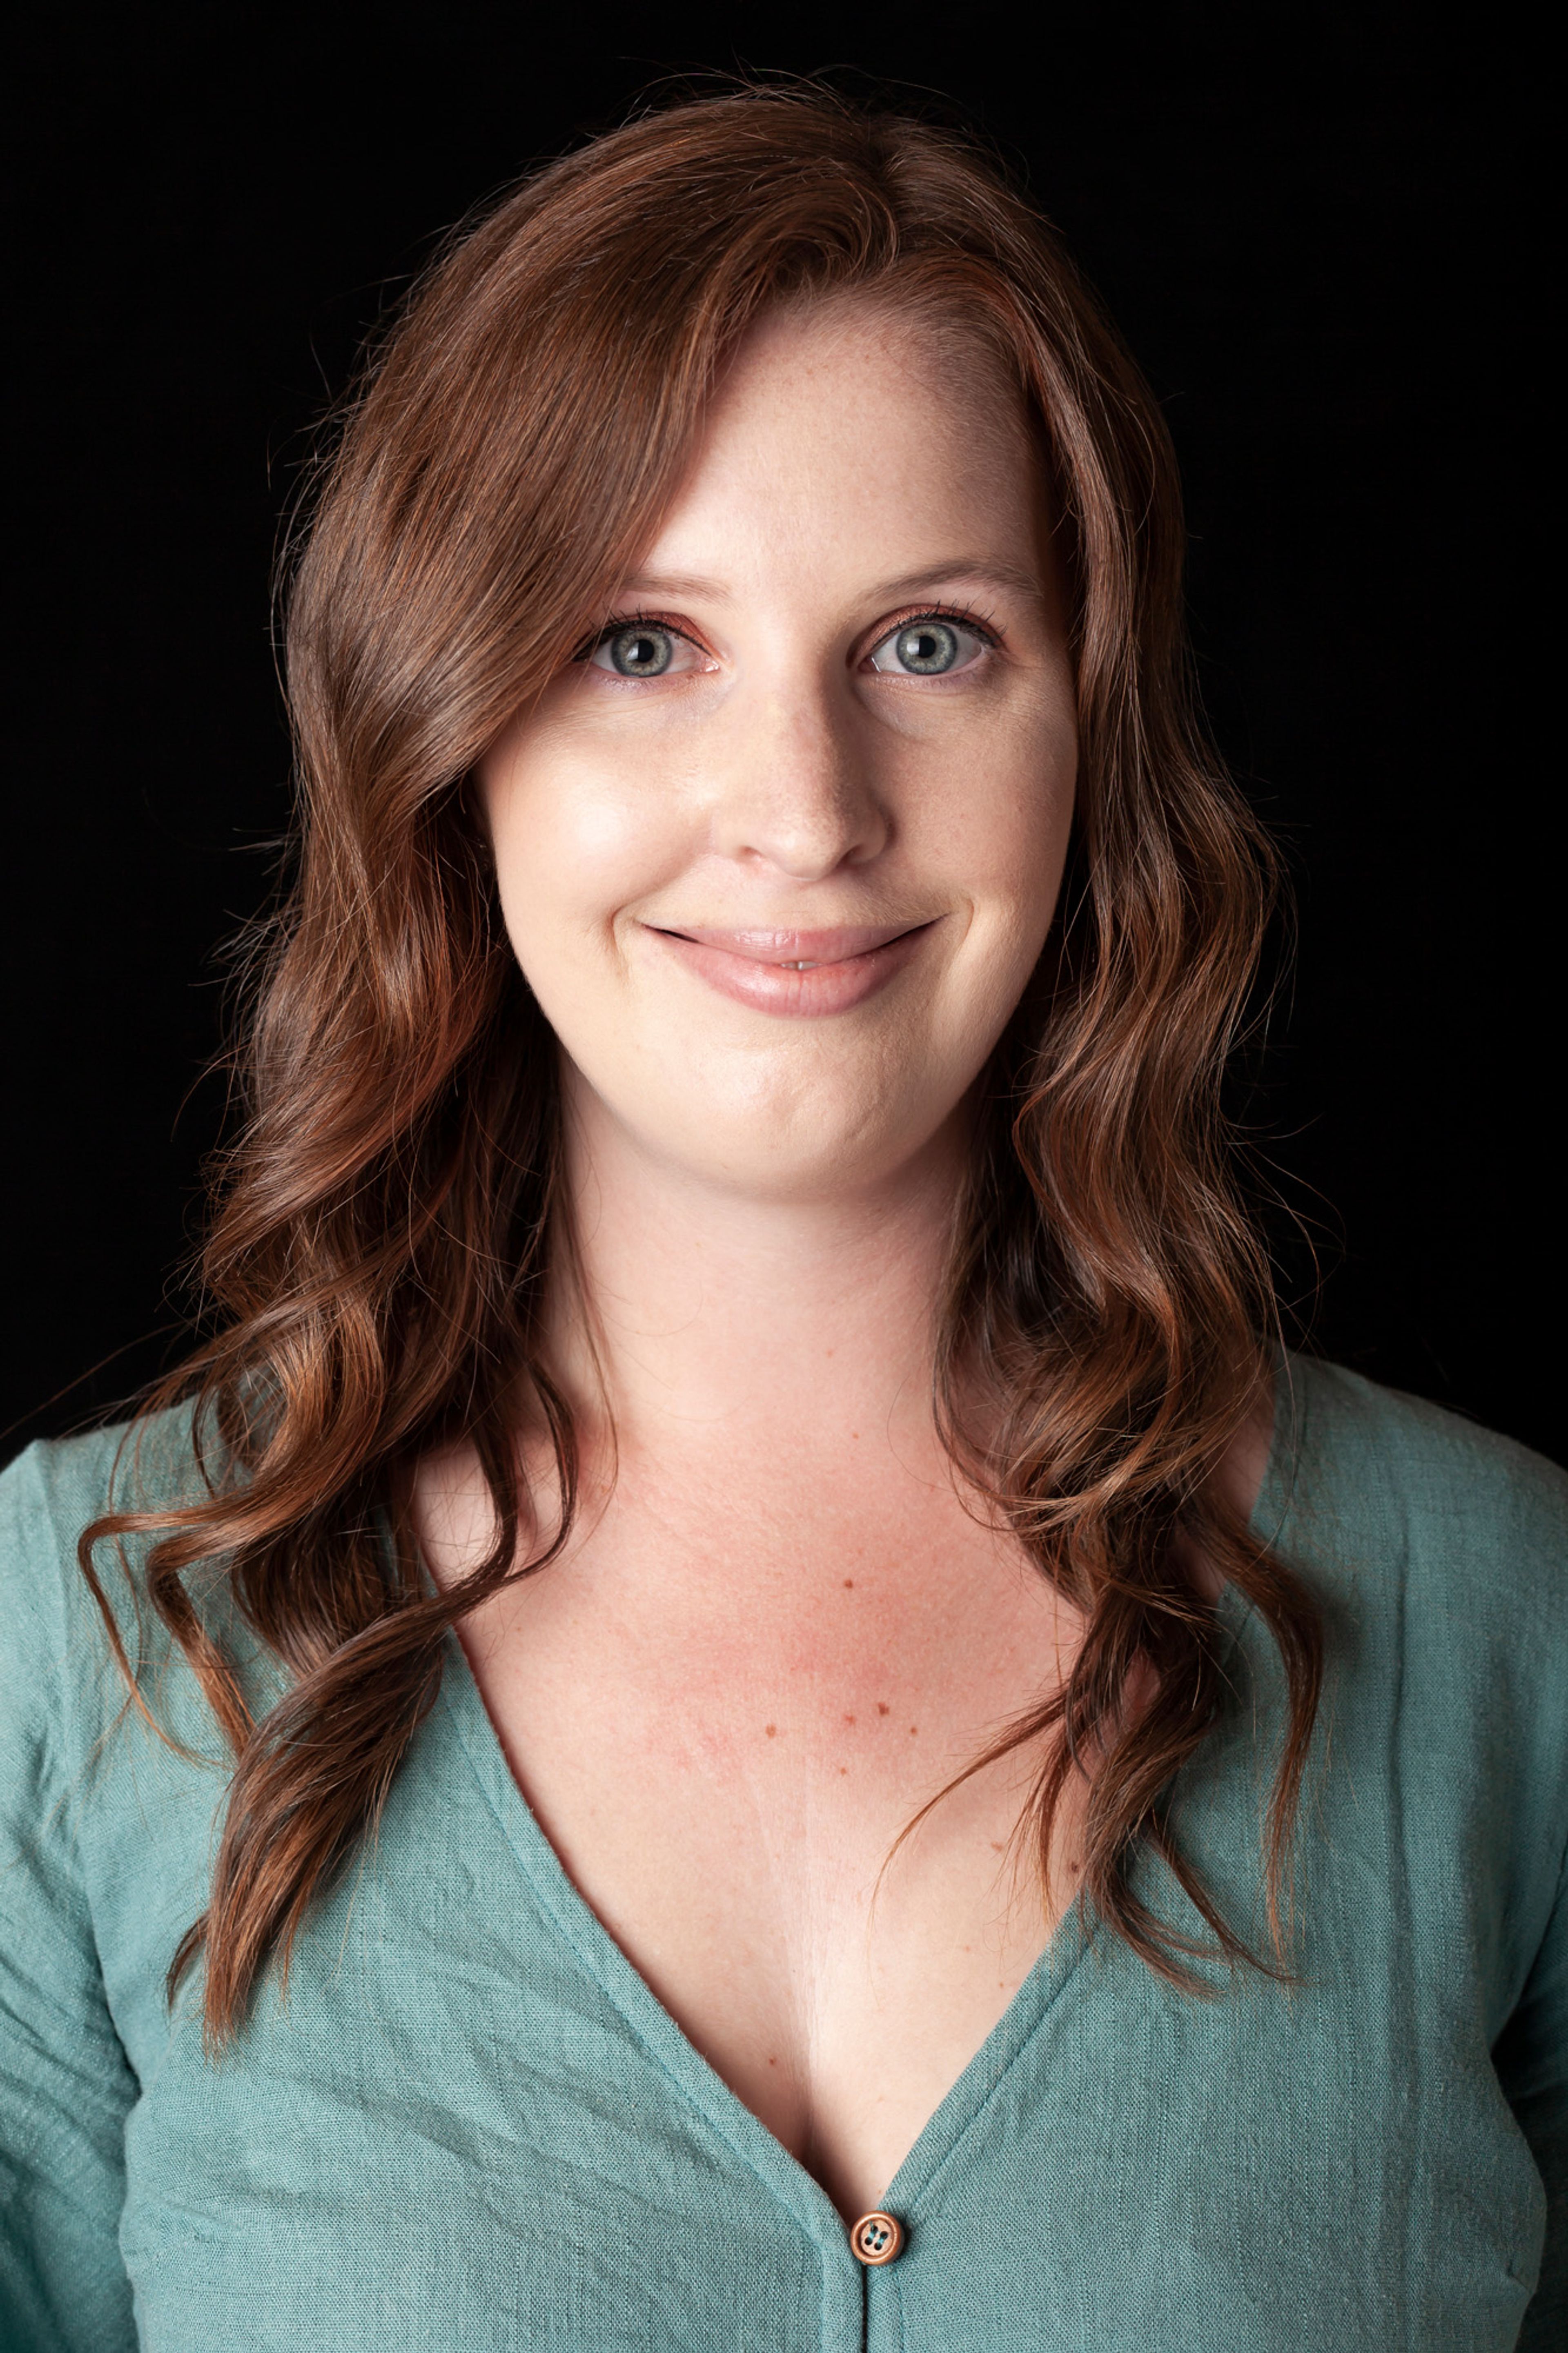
(877,2238)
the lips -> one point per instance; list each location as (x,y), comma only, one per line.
(797,972)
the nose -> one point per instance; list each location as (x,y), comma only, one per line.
(796,792)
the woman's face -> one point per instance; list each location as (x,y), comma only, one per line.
(779,854)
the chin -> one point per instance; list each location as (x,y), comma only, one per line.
(818,1153)
(777,1127)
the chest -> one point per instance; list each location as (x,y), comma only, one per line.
(472,2092)
(726,1736)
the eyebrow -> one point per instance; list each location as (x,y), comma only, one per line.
(675,584)
(997,573)
(963,567)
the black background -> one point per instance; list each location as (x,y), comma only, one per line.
(1318,231)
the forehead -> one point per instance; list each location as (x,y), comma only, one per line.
(848,418)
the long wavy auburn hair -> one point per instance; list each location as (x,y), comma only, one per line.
(385,1222)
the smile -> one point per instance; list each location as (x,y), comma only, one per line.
(798,974)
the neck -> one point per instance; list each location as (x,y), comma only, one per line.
(700,1318)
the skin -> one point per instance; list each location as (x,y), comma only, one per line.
(778,1628)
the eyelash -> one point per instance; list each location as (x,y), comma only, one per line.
(964,617)
(638,620)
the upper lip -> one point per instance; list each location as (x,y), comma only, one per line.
(828,945)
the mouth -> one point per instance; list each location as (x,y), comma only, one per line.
(797,972)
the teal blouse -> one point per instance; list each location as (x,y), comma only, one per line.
(470,2123)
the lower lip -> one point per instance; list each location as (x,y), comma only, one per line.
(777,988)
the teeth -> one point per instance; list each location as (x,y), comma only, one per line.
(799,967)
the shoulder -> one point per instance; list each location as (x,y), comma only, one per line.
(60,1486)
(1440,1552)
(58,1662)
(1371,1476)
(151,1462)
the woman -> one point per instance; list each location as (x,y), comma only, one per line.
(740,1703)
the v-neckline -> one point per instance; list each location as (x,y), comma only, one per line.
(671,2048)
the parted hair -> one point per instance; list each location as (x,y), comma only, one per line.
(384,1222)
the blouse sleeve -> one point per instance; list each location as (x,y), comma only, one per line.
(66,2085)
(1531,2059)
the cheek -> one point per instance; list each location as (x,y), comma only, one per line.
(1003,825)
(1018,840)
(574,844)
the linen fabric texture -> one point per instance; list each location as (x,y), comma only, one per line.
(470,2123)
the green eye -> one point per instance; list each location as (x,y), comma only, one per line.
(642,651)
(927,646)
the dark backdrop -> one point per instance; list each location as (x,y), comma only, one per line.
(1317,228)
